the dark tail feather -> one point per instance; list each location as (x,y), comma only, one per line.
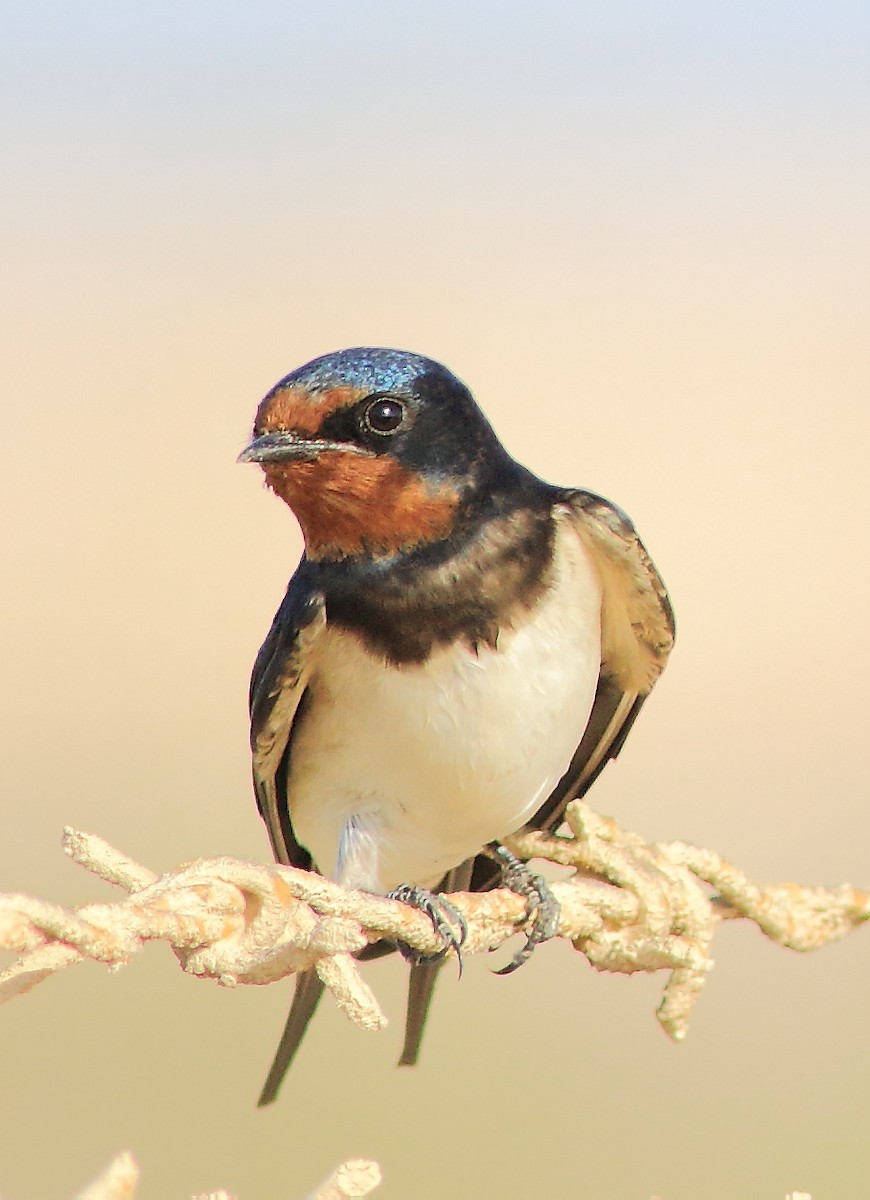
(306,997)
(421,983)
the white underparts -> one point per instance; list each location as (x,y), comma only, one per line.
(398,774)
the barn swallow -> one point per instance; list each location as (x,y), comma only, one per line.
(460,651)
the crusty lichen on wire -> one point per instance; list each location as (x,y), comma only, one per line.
(628,905)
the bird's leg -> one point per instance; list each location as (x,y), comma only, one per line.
(447,921)
(542,907)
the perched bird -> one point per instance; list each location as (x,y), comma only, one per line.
(460,650)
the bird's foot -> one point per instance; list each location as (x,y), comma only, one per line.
(447,921)
(542,907)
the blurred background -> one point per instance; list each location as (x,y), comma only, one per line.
(639,231)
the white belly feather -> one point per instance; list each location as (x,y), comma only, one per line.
(400,773)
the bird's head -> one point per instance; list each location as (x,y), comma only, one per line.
(375,451)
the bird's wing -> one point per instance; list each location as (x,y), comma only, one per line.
(637,635)
(278,682)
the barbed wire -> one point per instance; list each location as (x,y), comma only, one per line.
(628,905)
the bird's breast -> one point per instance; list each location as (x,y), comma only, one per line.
(425,763)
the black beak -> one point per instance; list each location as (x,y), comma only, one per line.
(282,445)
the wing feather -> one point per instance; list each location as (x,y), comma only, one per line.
(637,635)
(278,682)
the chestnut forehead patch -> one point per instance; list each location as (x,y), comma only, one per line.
(301,410)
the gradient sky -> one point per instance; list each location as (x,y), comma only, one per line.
(639,231)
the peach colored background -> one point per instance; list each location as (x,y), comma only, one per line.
(639,231)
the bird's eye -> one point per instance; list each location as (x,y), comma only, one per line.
(384,415)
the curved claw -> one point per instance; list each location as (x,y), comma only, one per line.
(542,907)
(445,918)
